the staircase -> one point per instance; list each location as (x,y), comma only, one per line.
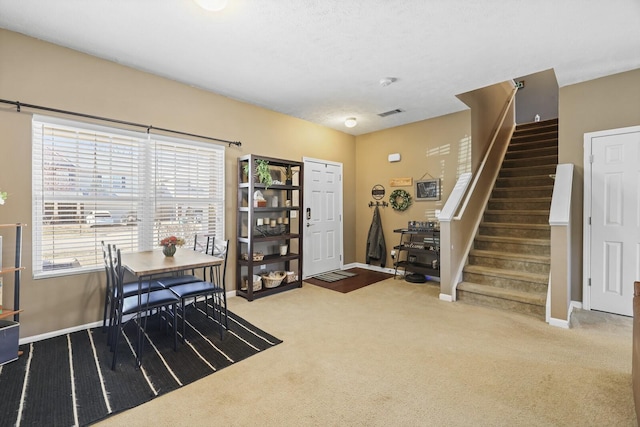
(508,266)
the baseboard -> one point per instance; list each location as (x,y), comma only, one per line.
(53,334)
(559,323)
(369,267)
(445,297)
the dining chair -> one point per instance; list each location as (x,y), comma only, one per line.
(128,289)
(139,307)
(198,246)
(213,288)
(218,273)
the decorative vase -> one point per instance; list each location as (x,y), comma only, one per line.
(169,250)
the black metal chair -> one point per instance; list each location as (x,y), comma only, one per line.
(128,289)
(214,288)
(141,304)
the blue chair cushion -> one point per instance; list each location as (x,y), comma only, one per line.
(188,290)
(131,288)
(169,282)
(154,299)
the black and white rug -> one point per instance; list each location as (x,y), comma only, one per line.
(67,380)
(334,276)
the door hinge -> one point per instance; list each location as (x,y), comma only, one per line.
(589,281)
(590,158)
(589,220)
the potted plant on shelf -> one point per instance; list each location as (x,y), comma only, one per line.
(262,172)
(288,172)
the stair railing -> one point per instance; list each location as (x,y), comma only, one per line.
(463,210)
(561,274)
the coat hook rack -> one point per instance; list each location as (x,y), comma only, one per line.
(383,204)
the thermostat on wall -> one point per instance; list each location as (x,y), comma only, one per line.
(395,157)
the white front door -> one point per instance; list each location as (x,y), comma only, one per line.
(322,217)
(614,206)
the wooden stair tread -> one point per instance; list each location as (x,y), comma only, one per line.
(525,188)
(506,239)
(519,211)
(516,225)
(508,274)
(510,256)
(520,199)
(535,298)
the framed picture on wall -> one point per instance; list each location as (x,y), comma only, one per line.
(428,189)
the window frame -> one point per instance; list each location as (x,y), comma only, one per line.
(144,192)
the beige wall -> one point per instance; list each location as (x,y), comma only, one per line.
(605,103)
(430,148)
(35,72)
(487,108)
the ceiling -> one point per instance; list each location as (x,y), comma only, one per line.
(322,61)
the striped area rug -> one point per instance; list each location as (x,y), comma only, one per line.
(67,380)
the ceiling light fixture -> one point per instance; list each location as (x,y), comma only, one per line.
(212,5)
(387,81)
(350,122)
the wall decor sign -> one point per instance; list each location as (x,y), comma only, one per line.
(377,192)
(401,182)
(428,189)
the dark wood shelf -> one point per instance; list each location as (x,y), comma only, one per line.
(252,241)
(428,238)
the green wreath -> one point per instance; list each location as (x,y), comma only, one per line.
(400,200)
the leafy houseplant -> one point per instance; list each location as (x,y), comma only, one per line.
(262,172)
(288,174)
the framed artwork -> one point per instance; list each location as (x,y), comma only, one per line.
(428,189)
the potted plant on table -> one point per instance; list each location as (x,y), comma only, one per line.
(169,245)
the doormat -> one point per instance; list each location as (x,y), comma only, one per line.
(334,276)
(67,380)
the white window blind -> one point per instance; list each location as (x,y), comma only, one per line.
(93,184)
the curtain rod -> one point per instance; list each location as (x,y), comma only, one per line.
(19,105)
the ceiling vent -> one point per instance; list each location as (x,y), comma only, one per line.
(390,113)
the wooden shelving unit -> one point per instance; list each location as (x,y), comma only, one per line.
(16,270)
(9,329)
(281,223)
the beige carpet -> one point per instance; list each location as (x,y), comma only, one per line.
(392,354)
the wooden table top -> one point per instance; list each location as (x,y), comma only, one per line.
(146,263)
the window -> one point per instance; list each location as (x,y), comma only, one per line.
(93,183)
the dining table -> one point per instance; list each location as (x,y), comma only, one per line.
(152,263)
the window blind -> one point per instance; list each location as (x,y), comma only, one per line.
(93,183)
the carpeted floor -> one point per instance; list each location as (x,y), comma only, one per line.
(67,380)
(362,277)
(394,354)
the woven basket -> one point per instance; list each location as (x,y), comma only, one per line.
(257,283)
(273,279)
(291,276)
(258,256)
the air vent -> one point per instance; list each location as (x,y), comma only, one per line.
(389,113)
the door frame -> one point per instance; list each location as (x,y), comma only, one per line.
(586,209)
(306,199)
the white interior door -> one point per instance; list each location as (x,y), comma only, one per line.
(322,217)
(615,219)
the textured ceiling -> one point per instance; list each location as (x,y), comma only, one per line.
(322,61)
